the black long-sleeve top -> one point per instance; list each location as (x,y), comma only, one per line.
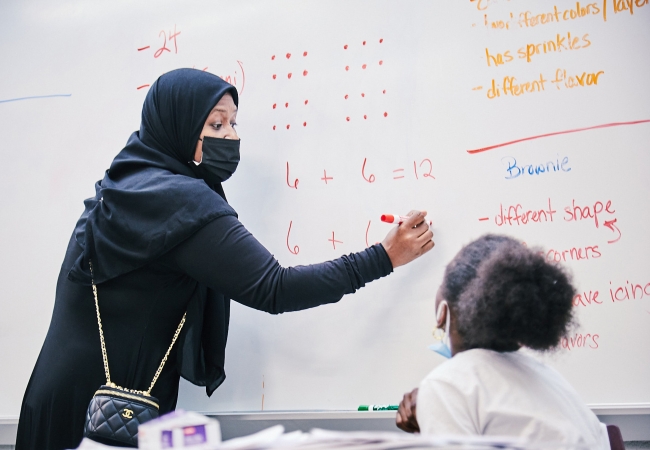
(141,310)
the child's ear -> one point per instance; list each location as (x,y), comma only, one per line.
(441,315)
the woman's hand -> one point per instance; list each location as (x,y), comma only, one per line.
(406,419)
(410,240)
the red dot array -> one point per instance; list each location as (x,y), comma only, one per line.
(345,47)
(363,66)
(290,74)
(286,105)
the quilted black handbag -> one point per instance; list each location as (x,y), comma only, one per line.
(114,413)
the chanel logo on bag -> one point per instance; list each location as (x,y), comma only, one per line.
(127,413)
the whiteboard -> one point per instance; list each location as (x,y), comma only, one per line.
(351,109)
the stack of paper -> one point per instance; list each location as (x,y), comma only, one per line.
(274,438)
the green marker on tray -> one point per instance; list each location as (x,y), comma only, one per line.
(378,408)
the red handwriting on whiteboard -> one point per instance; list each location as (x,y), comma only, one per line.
(295,249)
(166,38)
(325,177)
(334,241)
(426,170)
(517,215)
(587,298)
(576,212)
(556,133)
(579,340)
(295,182)
(367,230)
(232,79)
(629,291)
(170,40)
(369,179)
(611,225)
(573,254)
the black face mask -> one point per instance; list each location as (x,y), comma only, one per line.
(220,159)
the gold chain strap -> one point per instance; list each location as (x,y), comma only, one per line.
(146,393)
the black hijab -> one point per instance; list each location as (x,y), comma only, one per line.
(151,199)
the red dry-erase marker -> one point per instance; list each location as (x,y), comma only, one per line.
(395,218)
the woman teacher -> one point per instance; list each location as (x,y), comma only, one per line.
(163,242)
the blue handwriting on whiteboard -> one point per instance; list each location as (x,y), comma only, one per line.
(515,170)
(33,97)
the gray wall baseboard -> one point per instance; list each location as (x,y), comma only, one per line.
(8,435)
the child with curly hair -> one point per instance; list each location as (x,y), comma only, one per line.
(498,296)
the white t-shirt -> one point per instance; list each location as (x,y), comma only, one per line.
(483,392)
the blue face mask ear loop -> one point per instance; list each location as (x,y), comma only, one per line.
(442,336)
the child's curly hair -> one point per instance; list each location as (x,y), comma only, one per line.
(505,295)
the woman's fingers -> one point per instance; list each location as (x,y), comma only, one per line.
(409,240)
(425,237)
(415,218)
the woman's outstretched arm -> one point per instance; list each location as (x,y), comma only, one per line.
(227,258)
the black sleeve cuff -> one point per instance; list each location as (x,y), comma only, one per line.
(366,266)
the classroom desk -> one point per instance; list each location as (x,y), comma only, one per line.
(633,422)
